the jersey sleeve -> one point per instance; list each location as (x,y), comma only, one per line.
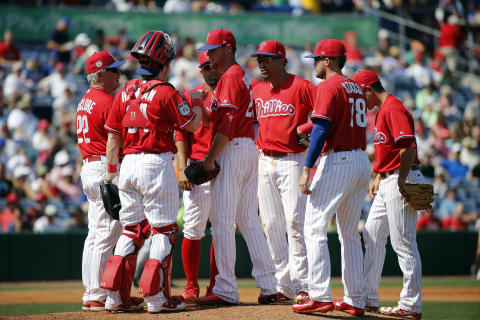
(179,110)
(181,135)
(325,103)
(400,127)
(308,94)
(114,116)
(229,93)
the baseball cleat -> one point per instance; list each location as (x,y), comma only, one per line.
(341,305)
(310,306)
(190,294)
(399,312)
(97,306)
(301,297)
(135,304)
(168,306)
(209,291)
(86,306)
(371,308)
(213,300)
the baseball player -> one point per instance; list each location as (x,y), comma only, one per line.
(144,116)
(234,190)
(396,163)
(196,198)
(103,232)
(339,184)
(283,103)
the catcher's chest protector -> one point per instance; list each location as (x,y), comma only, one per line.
(140,95)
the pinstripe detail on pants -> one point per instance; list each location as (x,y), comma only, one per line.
(391,215)
(339,186)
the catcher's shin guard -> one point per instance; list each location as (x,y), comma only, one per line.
(151,282)
(113,274)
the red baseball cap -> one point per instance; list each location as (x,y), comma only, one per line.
(43,124)
(365,78)
(101,60)
(328,48)
(203,58)
(270,48)
(11,198)
(217,38)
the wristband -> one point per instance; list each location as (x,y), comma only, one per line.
(112,168)
(306,127)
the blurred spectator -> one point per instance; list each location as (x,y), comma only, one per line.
(78,220)
(81,42)
(451,36)
(391,64)
(419,72)
(427,169)
(32,72)
(21,121)
(48,223)
(472,108)
(456,170)
(426,96)
(117,45)
(177,6)
(354,54)
(448,205)
(5,184)
(22,182)
(61,177)
(459,220)
(56,83)
(8,215)
(469,155)
(15,85)
(9,52)
(59,40)
(428,221)
(41,138)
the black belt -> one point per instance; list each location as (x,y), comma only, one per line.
(389,173)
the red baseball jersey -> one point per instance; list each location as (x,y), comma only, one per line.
(280,110)
(393,123)
(92,112)
(162,111)
(340,101)
(199,142)
(233,91)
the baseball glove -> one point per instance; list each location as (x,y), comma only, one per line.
(418,196)
(111,199)
(197,174)
(304,141)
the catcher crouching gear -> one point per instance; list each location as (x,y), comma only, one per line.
(197,174)
(111,199)
(419,196)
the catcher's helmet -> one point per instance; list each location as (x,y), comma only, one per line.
(154,45)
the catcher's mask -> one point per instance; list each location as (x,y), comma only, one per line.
(153,49)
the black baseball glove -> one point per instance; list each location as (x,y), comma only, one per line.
(197,174)
(111,199)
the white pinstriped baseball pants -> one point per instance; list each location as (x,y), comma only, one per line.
(282,207)
(103,232)
(198,206)
(234,201)
(391,214)
(339,186)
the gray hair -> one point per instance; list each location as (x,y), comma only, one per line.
(92,78)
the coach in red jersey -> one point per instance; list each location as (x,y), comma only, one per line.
(283,103)
(396,163)
(340,183)
(197,200)
(234,190)
(144,116)
(103,232)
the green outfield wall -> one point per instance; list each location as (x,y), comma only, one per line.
(36,24)
(58,256)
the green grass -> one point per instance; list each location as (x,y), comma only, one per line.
(31,309)
(446,310)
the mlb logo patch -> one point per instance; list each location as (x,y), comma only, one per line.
(98,64)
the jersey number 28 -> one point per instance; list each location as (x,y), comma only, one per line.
(359,107)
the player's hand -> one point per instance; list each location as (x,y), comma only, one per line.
(300,134)
(209,166)
(304,179)
(112,177)
(183,182)
(198,94)
(374,186)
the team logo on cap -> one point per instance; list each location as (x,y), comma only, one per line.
(98,64)
(262,45)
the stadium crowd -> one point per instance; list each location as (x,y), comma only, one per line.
(40,86)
